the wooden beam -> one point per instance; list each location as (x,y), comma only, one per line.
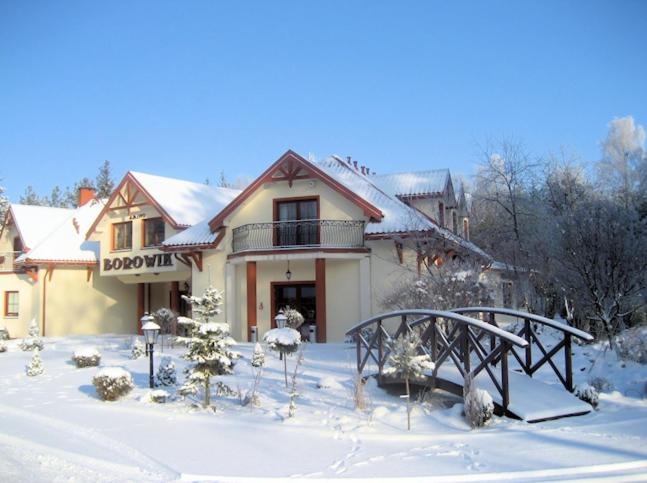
(88,274)
(320,298)
(251,298)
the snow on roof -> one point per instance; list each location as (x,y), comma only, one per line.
(66,242)
(185,202)
(398,216)
(198,234)
(36,222)
(412,183)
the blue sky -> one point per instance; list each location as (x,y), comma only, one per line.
(189,88)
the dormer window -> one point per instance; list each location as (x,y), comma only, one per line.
(153,232)
(122,236)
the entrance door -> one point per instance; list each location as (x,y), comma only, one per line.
(299,296)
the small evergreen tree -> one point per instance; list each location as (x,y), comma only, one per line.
(284,341)
(30,197)
(137,349)
(405,362)
(209,345)
(166,375)
(104,182)
(4,206)
(35,366)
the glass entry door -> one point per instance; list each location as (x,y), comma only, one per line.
(299,296)
(298,224)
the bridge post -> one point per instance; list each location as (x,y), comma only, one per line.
(359,352)
(527,333)
(568,361)
(492,321)
(380,350)
(466,349)
(504,377)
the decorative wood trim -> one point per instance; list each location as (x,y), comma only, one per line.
(187,258)
(32,273)
(50,271)
(313,172)
(251,298)
(88,274)
(320,297)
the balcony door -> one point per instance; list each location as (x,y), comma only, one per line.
(297,222)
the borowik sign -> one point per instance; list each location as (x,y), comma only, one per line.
(137,262)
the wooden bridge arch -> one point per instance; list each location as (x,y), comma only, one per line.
(460,346)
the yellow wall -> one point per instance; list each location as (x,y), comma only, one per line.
(28,302)
(342,298)
(76,306)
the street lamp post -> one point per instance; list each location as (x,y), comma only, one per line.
(151,332)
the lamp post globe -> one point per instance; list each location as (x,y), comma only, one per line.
(280,319)
(151,332)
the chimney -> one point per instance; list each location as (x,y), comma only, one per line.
(86,194)
(355,165)
(348,158)
(363,168)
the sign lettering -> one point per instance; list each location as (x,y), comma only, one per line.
(128,263)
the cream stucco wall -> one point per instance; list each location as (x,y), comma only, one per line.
(76,306)
(28,301)
(342,298)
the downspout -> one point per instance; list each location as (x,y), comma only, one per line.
(44,304)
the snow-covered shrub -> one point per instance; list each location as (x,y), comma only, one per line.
(164,318)
(35,366)
(294,394)
(33,330)
(478,404)
(3,346)
(29,344)
(87,357)
(137,349)
(209,345)
(405,362)
(258,357)
(294,319)
(587,393)
(632,344)
(284,341)
(166,374)
(112,382)
(359,392)
(159,396)
(4,333)
(601,384)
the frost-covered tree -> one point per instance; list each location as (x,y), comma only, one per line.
(30,197)
(33,340)
(4,205)
(406,361)
(294,319)
(166,319)
(258,357)
(104,182)
(137,349)
(35,366)
(208,345)
(257,363)
(453,284)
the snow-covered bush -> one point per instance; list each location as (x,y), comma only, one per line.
(479,406)
(4,333)
(112,382)
(209,345)
(137,349)
(29,344)
(405,362)
(587,393)
(257,362)
(35,366)
(159,396)
(294,319)
(601,384)
(33,330)
(3,346)
(258,357)
(87,357)
(632,344)
(166,374)
(284,341)
(166,319)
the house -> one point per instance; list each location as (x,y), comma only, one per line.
(329,238)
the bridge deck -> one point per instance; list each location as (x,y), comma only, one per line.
(530,399)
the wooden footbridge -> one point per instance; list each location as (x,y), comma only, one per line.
(470,341)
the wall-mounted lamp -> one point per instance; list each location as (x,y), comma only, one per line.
(288,273)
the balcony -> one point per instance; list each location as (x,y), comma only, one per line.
(286,235)
(7,261)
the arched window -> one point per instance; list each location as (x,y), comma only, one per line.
(455,222)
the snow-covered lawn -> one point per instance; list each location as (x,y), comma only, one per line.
(54,428)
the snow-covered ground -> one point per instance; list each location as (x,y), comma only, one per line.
(54,428)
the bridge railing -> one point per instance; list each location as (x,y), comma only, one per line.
(529,334)
(447,337)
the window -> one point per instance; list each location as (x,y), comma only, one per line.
(122,236)
(11,304)
(298,222)
(153,232)
(17,244)
(454,222)
(466,229)
(441,213)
